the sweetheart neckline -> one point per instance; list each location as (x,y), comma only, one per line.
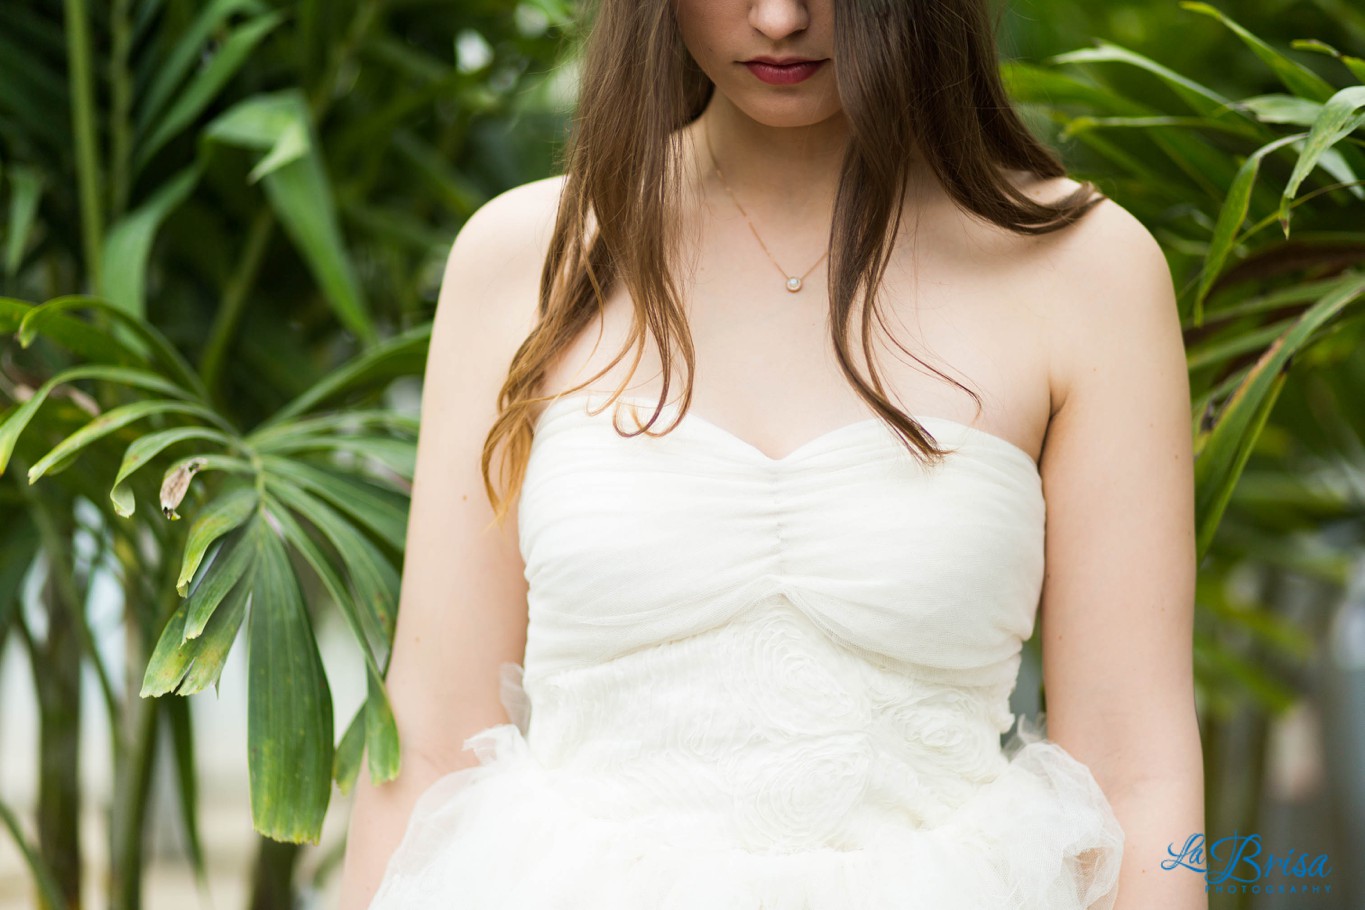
(984,436)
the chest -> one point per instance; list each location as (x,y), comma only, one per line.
(765,363)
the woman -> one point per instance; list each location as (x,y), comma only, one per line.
(769,614)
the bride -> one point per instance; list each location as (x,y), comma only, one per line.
(813,388)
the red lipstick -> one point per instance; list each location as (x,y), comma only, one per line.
(783,70)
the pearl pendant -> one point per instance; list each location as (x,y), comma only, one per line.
(793,284)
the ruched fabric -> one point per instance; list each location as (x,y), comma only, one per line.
(757,683)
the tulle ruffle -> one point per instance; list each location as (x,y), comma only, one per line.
(508,834)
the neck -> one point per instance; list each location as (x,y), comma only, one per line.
(784,172)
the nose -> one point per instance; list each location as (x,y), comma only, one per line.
(777,19)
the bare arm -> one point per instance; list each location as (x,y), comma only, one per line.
(1118,601)
(462,609)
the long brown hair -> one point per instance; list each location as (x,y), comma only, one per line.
(912,78)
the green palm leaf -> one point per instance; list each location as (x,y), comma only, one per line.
(289,710)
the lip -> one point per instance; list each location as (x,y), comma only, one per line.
(780,61)
(783,70)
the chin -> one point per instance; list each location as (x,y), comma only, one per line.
(787,113)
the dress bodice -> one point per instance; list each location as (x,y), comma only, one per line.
(844,603)
(630,542)
(757,683)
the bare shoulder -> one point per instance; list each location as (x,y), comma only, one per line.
(1109,283)
(516,217)
(1107,231)
(494,263)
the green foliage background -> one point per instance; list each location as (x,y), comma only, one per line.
(222,225)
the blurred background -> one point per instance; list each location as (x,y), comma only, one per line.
(222,228)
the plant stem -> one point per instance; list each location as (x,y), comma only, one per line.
(273,878)
(49,895)
(121,103)
(363,20)
(83,130)
(128,826)
(229,311)
(57,681)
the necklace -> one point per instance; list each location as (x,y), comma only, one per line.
(793,282)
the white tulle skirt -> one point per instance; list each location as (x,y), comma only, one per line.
(509,833)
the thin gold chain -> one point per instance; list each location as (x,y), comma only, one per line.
(793,283)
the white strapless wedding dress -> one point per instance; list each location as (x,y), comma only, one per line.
(757,683)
